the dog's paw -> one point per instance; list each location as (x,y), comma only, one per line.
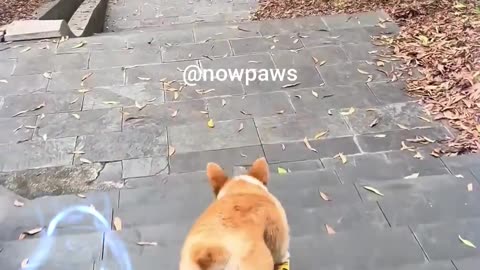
(283,266)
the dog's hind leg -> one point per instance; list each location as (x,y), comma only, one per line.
(259,258)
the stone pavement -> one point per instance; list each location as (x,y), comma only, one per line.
(96,121)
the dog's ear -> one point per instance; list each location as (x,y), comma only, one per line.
(259,170)
(216,177)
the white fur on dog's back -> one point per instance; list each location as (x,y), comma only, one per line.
(247,178)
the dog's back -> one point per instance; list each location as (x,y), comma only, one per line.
(245,228)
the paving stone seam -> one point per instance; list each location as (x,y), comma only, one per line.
(378,205)
(425,255)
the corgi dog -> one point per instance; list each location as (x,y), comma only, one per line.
(245,228)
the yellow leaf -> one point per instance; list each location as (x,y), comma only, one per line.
(478,128)
(117,224)
(374,190)
(350,111)
(320,134)
(283,266)
(466,242)
(423,39)
(210,123)
(281,170)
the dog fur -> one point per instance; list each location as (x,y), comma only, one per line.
(245,228)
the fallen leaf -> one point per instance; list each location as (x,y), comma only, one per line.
(171,150)
(241,127)
(175,113)
(224,102)
(280,112)
(324,196)
(307,144)
(25,50)
(44,137)
(84,160)
(349,112)
(329,229)
(290,85)
(281,170)
(322,63)
(18,203)
(84,90)
(79,45)
(175,95)
(3,81)
(24,263)
(406,147)
(380,136)
(86,76)
(466,242)
(315,60)
(320,134)
(147,243)
(210,123)
(470,187)
(203,112)
(374,190)
(20,112)
(117,224)
(380,64)
(425,119)
(342,157)
(315,94)
(418,156)
(140,106)
(73,101)
(272,47)
(412,176)
(374,122)
(283,147)
(76,116)
(111,102)
(362,71)
(245,113)
(47,75)
(80,195)
(402,126)
(33,231)
(144,78)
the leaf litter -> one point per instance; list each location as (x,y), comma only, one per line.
(437,40)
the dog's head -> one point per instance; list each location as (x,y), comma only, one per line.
(256,179)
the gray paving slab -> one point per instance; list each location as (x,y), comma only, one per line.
(36,154)
(19,85)
(148,166)
(224,135)
(195,51)
(212,32)
(436,265)
(441,241)
(203,89)
(294,166)
(347,250)
(39,103)
(90,122)
(124,96)
(249,106)
(172,113)
(467,263)
(297,151)
(76,251)
(7,66)
(227,158)
(99,60)
(388,92)
(86,79)
(292,26)
(340,21)
(41,64)
(113,146)
(321,100)
(294,128)
(265,44)
(15,130)
(168,71)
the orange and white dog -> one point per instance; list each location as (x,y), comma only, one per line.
(245,228)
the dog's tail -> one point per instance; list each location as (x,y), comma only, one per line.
(207,257)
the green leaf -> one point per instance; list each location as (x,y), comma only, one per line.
(466,242)
(281,170)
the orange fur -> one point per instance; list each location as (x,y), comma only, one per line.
(246,228)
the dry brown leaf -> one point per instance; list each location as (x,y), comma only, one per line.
(18,203)
(322,63)
(79,45)
(374,122)
(175,95)
(307,144)
(224,102)
(86,76)
(240,128)
(315,60)
(362,71)
(329,229)
(374,190)
(290,85)
(76,116)
(80,195)
(418,156)
(325,197)
(320,134)
(117,224)
(33,231)
(84,160)
(175,113)
(283,147)
(470,187)
(47,75)
(342,157)
(425,119)
(171,150)
(402,126)
(25,50)
(24,263)
(315,94)
(144,78)
(280,112)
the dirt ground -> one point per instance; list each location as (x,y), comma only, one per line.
(11,10)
